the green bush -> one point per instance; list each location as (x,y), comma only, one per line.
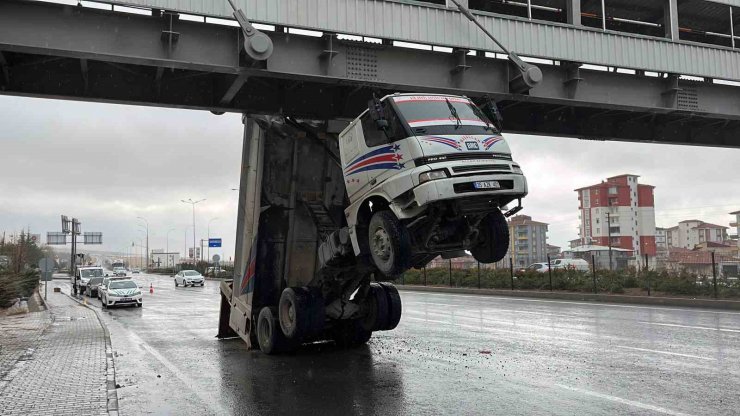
(13,286)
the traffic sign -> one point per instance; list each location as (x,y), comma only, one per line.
(214,242)
(46,264)
(216,258)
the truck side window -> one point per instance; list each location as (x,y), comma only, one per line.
(374,136)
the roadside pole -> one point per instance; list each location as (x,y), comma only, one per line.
(511,270)
(425,275)
(478,275)
(549,271)
(450,271)
(609,225)
(714,275)
(593,271)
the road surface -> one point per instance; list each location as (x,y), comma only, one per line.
(451,354)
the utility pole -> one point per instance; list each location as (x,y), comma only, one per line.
(193,203)
(609,225)
(147,241)
(208,258)
(168,246)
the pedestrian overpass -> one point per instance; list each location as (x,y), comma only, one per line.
(655,71)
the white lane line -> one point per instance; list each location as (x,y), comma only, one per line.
(620,400)
(666,353)
(601,304)
(705,328)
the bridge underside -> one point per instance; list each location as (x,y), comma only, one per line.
(66,52)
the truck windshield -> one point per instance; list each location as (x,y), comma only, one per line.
(86,273)
(433,114)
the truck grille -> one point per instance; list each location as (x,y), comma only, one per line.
(468,187)
(478,168)
(461,156)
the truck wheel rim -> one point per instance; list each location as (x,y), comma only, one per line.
(381,244)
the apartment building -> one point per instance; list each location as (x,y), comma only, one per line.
(690,233)
(619,212)
(528,241)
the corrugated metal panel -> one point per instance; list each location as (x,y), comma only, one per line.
(446,27)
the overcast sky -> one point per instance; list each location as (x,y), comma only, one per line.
(109,164)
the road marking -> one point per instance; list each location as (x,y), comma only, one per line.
(620,400)
(602,304)
(706,328)
(667,353)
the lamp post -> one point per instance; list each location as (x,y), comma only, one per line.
(168,246)
(208,259)
(147,240)
(193,203)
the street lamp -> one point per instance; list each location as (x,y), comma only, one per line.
(168,246)
(147,240)
(208,259)
(193,203)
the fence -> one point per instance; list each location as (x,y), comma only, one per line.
(634,281)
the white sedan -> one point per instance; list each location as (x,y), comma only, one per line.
(122,292)
(189,277)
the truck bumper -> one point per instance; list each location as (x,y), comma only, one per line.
(460,187)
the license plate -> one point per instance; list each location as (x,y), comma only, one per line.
(126,300)
(486,185)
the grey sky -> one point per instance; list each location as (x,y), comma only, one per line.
(108,164)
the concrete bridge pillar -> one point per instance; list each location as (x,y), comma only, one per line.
(573,12)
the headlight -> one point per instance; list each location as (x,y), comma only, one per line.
(516,169)
(137,293)
(432,175)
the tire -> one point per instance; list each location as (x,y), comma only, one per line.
(395,308)
(293,313)
(139,305)
(390,244)
(493,241)
(377,318)
(176,284)
(269,335)
(350,333)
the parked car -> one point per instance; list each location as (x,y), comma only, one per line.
(83,275)
(92,286)
(537,267)
(189,277)
(121,292)
(104,284)
(135,270)
(570,264)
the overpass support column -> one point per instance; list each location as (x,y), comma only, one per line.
(463,3)
(670,19)
(573,12)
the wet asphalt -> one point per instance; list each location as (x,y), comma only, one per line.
(451,354)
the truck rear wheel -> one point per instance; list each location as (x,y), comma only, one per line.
(389,242)
(293,313)
(377,317)
(394,305)
(493,240)
(269,334)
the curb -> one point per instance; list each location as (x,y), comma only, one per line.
(592,297)
(112,393)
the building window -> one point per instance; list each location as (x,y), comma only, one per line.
(612,190)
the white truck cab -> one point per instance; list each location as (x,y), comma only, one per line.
(427,175)
(83,276)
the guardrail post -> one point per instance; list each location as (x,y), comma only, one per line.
(714,275)
(593,271)
(478,275)
(511,269)
(450,271)
(549,271)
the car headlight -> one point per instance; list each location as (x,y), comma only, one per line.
(432,175)
(137,293)
(516,169)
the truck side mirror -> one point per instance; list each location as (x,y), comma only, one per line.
(376,113)
(490,109)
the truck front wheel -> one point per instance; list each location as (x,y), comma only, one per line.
(389,242)
(269,334)
(493,238)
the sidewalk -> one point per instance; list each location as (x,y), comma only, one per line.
(54,362)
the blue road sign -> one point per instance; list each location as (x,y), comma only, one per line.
(214,242)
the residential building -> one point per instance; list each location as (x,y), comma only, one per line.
(690,233)
(575,243)
(736,224)
(619,212)
(700,263)
(553,251)
(661,238)
(528,241)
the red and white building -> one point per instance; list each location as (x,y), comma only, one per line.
(622,208)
